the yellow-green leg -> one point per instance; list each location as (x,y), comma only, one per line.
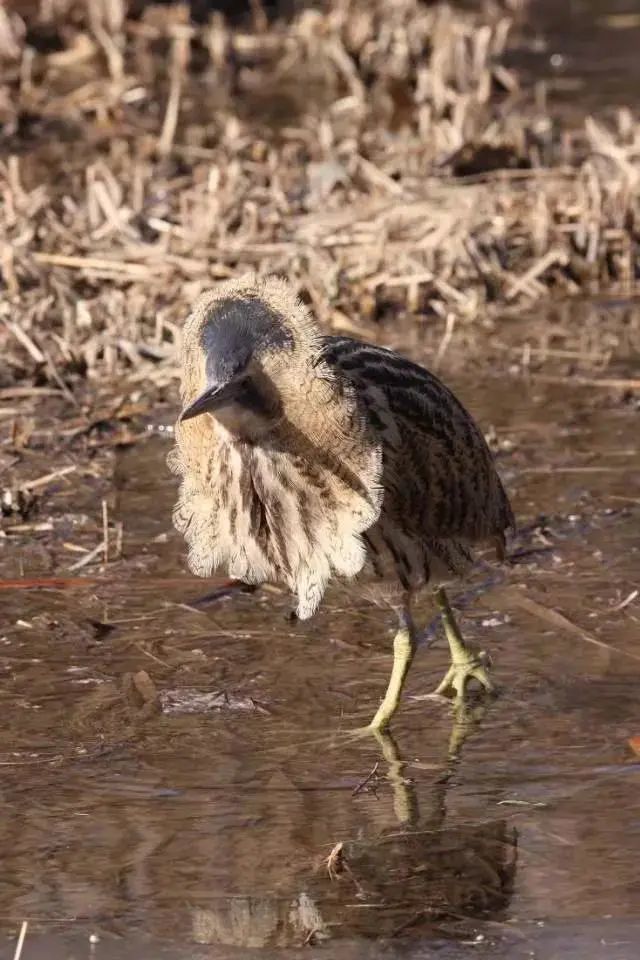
(404,648)
(405,802)
(465,663)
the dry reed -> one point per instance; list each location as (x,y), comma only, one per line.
(380,154)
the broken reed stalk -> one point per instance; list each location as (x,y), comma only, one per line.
(87,558)
(135,270)
(48,478)
(106,18)
(105,530)
(119,539)
(380,156)
(21,938)
(181,39)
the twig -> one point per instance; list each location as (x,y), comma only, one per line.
(625,603)
(47,478)
(152,656)
(366,780)
(43,527)
(29,583)
(119,537)
(179,58)
(379,178)
(105,530)
(88,558)
(23,338)
(556,619)
(21,937)
(141,271)
(611,383)
(18,393)
(8,270)
(549,259)
(111,11)
(446,340)
(48,583)
(58,379)
(560,469)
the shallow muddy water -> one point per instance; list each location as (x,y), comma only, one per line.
(176,774)
(584,50)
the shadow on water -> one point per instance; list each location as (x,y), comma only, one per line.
(177,779)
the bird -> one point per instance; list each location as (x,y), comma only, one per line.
(304,457)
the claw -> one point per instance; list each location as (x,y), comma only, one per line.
(459,674)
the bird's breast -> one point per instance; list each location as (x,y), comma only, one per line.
(272,515)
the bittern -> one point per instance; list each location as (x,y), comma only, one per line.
(303,456)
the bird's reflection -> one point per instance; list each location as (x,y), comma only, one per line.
(416,878)
(260,921)
(465,719)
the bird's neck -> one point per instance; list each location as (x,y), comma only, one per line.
(323,422)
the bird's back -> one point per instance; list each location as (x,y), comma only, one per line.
(442,492)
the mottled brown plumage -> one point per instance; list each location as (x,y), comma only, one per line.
(303,456)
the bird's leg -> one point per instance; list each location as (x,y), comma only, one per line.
(405,802)
(465,663)
(404,647)
(466,719)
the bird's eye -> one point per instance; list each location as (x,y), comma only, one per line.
(249,393)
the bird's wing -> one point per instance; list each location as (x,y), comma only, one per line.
(439,477)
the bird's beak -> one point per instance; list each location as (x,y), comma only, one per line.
(212,398)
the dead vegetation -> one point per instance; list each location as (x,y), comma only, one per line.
(380,154)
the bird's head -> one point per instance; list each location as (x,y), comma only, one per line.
(241,345)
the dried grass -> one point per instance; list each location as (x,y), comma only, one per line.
(142,159)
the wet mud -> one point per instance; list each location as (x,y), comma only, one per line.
(178,777)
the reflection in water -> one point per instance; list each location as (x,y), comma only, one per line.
(259,922)
(408,879)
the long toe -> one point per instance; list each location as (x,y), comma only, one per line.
(481,674)
(457,677)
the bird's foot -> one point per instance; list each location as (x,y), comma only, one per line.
(362,733)
(339,738)
(473,667)
(352,735)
